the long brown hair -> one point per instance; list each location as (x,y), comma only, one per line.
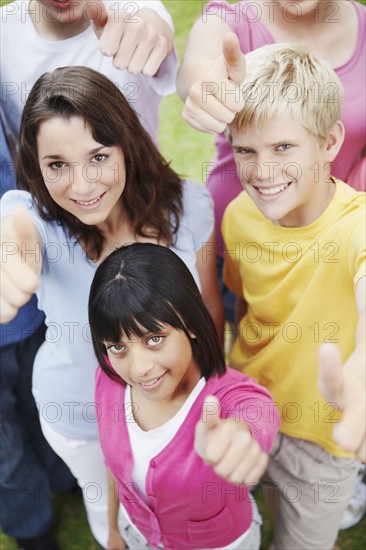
(153,192)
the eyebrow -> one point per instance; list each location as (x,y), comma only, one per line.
(291,141)
(60,157)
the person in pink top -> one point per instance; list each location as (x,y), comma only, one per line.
(213,67)
(183,437)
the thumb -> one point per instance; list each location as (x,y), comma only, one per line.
(210,412)
(234,58)
(330,373)
(97,13)
(27,237)
(209,420)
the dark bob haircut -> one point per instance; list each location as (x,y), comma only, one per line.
(152,197)
(139,287)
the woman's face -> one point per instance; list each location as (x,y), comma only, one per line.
(82,176)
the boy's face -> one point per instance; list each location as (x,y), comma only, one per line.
(285,171)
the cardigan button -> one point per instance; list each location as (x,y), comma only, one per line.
(152,463)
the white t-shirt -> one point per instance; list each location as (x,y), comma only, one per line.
(146,445)
(25,56)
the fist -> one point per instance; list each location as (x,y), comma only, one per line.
(228,446)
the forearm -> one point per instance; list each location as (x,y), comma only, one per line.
(193,66)
(356,362)
(203,48)
(113,501)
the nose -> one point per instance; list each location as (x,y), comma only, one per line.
(263,169)
(141,362)
(83,179)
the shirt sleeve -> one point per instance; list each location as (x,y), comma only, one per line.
(357,250)
(198,211)
(251,403)
(17,198)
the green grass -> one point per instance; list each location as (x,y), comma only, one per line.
(187,149)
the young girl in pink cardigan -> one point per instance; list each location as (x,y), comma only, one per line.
(183,437)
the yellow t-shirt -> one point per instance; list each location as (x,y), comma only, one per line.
(299,284)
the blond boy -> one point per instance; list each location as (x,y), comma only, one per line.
(295,258)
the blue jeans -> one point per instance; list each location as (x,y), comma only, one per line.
(29,468)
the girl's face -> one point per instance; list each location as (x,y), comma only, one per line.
(158,366)
(82,176)
(298,8)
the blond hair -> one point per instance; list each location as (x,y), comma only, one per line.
(287,80)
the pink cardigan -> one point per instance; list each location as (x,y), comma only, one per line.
(189,505)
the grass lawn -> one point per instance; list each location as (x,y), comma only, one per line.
(189,152)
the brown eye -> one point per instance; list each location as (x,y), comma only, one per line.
(116,349)
(155,340)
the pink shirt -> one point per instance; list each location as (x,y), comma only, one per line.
(189,506)
(245,21)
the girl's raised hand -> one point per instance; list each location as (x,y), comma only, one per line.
(21,261)
(215,98)
(228,446)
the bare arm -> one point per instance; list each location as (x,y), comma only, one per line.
(204,46)
(206,267)
(346,384)
(115,541)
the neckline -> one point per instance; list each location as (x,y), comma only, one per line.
(358,46)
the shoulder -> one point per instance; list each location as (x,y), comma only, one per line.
(106,388)
(50,231)
(351,202)
(13,13)
(236,385)
(14,198)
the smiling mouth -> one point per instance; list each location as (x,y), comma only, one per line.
(151,382)
(89,203)
(272,190)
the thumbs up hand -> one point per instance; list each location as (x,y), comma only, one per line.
(21,262)
(344,385)
(138,42)
(215,98)
(228,446)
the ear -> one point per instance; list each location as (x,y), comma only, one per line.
(333,141)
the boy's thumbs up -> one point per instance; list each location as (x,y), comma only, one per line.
(344,385)
(234,58)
